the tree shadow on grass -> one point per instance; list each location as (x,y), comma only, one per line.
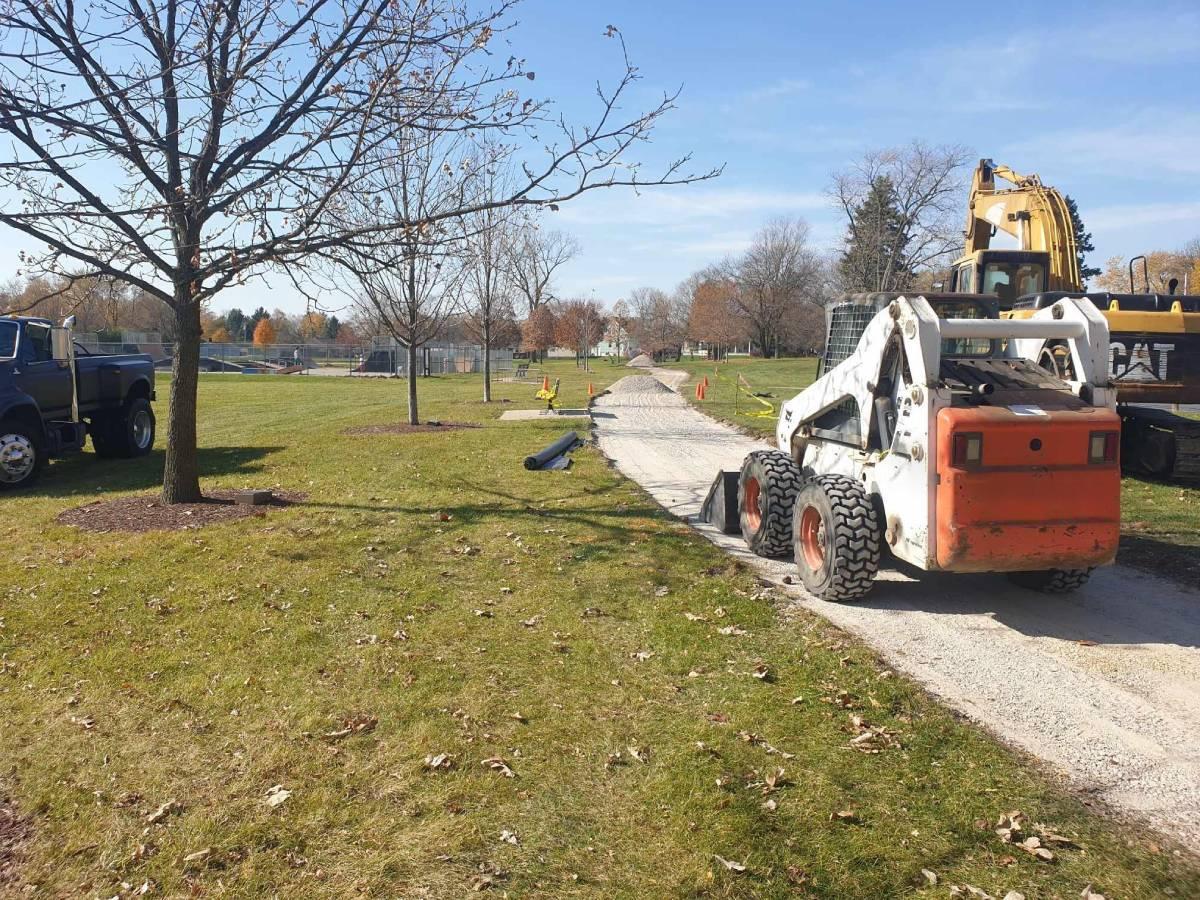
(86,473)
(610,519)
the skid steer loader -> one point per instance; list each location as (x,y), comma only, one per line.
(932,434)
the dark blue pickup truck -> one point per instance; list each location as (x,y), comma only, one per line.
(54,394)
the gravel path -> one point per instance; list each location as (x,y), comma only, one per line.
(1103,685)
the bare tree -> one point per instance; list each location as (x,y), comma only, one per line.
(714,317)
(488,295)
(619,322)
(534,257)
(578,325)
(409,284)
(903,209)
(183,146)
(660,323)
(775,277)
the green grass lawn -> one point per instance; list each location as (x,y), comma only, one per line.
(557,621)
(1160,522)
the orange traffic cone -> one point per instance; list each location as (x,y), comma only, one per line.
(591,390)
(545,382)
(706,382)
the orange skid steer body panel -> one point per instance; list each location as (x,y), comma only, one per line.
(1033,500)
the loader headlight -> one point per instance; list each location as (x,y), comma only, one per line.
(968,450)
(1102,446)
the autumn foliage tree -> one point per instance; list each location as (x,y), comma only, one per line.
(714,316)
(264,333)
(579,327)
(537,331)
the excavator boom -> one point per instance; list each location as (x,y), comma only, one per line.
(1036,215)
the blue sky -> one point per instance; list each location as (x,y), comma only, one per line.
(1098,98)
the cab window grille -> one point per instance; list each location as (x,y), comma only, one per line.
(847,322)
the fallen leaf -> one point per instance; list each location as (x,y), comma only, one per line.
(641,655)
(641,754)
(1087,643)
(761,672)
(439,761)
(1089,894)
(509,837)
(968,890)
(357,724)
(930,876)
(200,856)
(162,812)
(845,816)
(732,631)
(736,867)
(661,591)
(518,717)
(87,723)
(1014,895)
(498,765)
(692,617)
(277,795)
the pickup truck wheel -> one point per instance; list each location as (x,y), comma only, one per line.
(767,490)
(127,434)
(836,533)
(21,459)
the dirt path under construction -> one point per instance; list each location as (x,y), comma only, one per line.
(1103,685)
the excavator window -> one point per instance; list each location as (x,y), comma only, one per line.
(1012,280)
(965,282)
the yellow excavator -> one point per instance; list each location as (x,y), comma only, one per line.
(1154,351)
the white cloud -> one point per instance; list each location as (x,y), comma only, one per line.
(683,206)
(1147,145)
(1138,216)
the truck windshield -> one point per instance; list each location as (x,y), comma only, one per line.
(8,340)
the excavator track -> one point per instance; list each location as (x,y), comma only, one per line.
(1160,443)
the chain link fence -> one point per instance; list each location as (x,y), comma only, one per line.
(381,357)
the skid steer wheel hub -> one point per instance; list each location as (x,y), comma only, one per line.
(17,458)
(812,537)
(767,488)
(753,503)
(837,538)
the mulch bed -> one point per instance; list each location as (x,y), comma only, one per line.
(147,512)
(14,831)
(405,428)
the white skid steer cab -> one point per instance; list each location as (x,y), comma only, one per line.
(932,434)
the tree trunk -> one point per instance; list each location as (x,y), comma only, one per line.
(487,362)
(413,418)
(181,475)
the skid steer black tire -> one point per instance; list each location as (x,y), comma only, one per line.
(767,489)
(1052,581)
(836,535)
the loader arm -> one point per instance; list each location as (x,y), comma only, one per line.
(921,334)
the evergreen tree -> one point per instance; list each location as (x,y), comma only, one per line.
(252,322)
(876,255)
(235,324)
(1083,243)
(332,327)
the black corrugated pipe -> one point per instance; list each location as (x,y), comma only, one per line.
(558,448)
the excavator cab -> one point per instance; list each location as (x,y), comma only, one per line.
(1008,274)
